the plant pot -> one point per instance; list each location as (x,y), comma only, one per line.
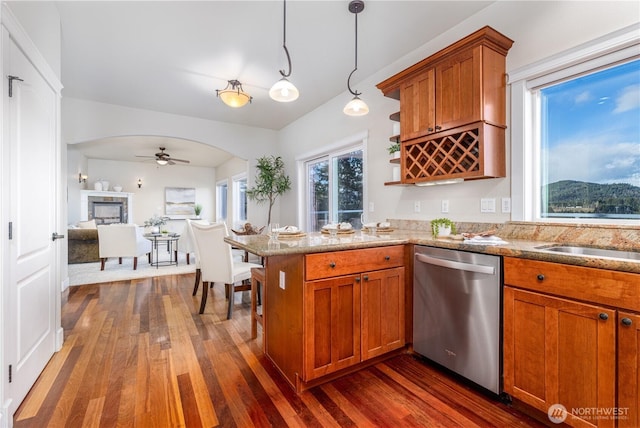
(444,231)
(395,155)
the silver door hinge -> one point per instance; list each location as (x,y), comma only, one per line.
(10,373)
(10,230)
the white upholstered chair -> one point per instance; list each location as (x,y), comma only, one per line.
(122,240)
(192,248)
(217,263)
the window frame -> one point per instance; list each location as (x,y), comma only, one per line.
(346,145)
(236,179)
(219,205)
(619,46)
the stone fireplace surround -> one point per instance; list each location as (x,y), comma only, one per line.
(88,197)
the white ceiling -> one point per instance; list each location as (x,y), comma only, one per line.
(171,56)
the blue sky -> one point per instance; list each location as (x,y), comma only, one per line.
(593,131)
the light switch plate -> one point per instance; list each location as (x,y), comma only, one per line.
(445,206)
(281,281)
(371,207)
(416,206)
(506,205)
(487,205)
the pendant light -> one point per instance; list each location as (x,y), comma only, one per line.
(233,95)
(284,91)
(355,107)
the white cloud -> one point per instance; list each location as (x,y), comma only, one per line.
(628,100)
(582,97)
(595,161)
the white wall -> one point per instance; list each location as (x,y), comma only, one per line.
(85,120)
(41,21)
(539,29)
(149,199)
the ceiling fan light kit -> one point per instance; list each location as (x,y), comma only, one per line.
(283,90)
(233,95)
(355,107)
(163,158)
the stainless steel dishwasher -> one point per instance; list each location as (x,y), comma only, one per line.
(457,301)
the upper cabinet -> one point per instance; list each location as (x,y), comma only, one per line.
(462,84)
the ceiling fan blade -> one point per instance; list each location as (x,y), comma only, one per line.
(170,162)
(149,157)
(179,160)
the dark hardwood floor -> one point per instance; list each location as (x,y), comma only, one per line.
(137,354)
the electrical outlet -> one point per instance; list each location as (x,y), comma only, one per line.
(445,206)
(281,282)
(506,205)
(487,205)
(416,206)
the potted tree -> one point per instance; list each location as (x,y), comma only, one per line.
(271,182)
(197,209)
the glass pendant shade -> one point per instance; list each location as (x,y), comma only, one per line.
(284,91)
(233,95)
(234,98)
(161,162)
(356,107)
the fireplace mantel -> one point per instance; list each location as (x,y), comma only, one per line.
(84,202)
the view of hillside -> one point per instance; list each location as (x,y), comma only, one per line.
(570,196)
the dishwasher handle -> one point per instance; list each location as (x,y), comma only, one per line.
(488,270)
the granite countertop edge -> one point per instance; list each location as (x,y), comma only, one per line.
(518,248)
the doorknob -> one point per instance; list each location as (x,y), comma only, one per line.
(55,236)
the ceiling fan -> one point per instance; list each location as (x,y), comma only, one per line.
(163,158)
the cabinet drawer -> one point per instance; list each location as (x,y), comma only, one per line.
(336,263)
(612,288)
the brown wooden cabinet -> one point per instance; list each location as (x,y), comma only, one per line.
(460,85)
(332,325)
(559,352)
(571,337)
(628,369)
(356,316)
(382,311)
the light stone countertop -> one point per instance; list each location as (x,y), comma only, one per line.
(524,240)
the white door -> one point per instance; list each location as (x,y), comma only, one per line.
(30,295)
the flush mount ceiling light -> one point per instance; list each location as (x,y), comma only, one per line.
(233,95)
(355,107)
(284,91)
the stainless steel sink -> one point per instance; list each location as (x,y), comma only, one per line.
(590,251)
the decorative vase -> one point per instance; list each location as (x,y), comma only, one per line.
(105,185)
(154,229)
(97,186)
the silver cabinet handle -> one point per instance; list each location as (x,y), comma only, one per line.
(55,236)
(489,270)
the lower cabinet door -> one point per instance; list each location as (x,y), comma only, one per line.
(331,325)
(382,312)
(560,352)
(628,369)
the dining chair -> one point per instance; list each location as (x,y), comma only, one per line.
(192,247)
(217,263)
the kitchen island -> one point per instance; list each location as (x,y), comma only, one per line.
(335,304)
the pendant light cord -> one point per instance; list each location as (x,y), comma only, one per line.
(355,93)
(284,41)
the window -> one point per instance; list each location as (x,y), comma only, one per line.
(576,134)
(240,199)
(335,187)
(590,145)
(221,201)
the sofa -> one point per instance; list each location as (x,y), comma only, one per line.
(83,243)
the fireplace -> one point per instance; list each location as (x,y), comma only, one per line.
(106,207)
(107,212)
